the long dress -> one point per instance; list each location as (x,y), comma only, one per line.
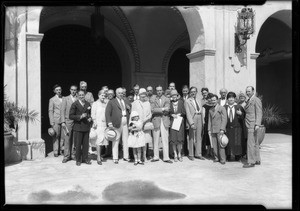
(144,111)
(177,137)
(136,138)
(98,116)
(235,132)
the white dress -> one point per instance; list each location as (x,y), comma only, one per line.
(144,111)
(137,138)
(98,116)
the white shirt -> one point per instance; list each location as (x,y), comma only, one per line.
(73,98)
(60,98)
(222,102)
(233,111)
(122,101)
(136,97)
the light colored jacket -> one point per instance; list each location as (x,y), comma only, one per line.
(158,114)
(54,110)
(253,110)
(143,109)
(191,110)
(65,110)
(217,119)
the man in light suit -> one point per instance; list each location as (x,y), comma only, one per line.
(55,121)
(160,108)
(80,112)
(217,120)
(222,100)
(117,117)
(194,115)
(253,110)
(67,124)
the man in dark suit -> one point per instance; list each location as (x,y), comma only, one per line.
(117,117)
(217,121)
(253,110)
(67,124)
(80,112)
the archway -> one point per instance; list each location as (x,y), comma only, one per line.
(70,55)
(178,69)
(274,64)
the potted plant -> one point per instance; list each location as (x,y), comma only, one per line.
(271,117)
(12,116)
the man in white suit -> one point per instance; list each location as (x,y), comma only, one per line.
(54,118)
(67,124)
(194,114)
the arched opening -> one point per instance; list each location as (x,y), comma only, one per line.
(178,69)
(274,64)
(70,55)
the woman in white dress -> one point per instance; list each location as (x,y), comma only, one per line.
(143,108)
(99,123)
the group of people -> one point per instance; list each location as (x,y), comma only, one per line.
(188,126)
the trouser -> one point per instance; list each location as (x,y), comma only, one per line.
(195,137)
(123,131)
(82,145)
(219,152)
(164,131)
(253,154)
(69,144)
(57,142)
(185,150)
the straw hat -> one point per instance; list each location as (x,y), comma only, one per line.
(110,134)
(223,140)
(51,132)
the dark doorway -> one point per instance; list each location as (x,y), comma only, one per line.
(178,70)
(70,55)
(274,65)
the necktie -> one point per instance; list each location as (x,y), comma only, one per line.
(198,108)
(230,114)
(159,102)
(122,106)
(175,108)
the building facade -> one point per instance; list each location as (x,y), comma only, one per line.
(192,45)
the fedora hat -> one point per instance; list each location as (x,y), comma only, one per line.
(223,140)
(110,134)
(51,131)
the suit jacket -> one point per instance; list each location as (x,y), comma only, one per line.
(237,119)
(65,110)
(143,109)
(54,110)
(253,110)
(158,114)
(217,119)
(113,112)
(82,125)
(191,110)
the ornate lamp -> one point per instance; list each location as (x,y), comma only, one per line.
(97,25)
(245,27)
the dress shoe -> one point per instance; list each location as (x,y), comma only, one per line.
(135,163)
(88,162)
(99,162)
(78,163)
(125,159)
(65,160)
(222,162)
(248,165)
(116,161)
(180,159)
(168,161)
(175,159)
(257,163)
(55,155)
(141,162)
(154,160)
(191,158)
(216,160)
(200,157)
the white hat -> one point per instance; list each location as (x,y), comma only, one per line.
(110,134)
(223,140)
(51,131)
(142,91)
(134,113)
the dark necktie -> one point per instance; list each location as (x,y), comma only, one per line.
(198,108)
(230,114)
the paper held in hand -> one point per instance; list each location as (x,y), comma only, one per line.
(176,123)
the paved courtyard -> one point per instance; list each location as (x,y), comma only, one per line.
(49,181)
